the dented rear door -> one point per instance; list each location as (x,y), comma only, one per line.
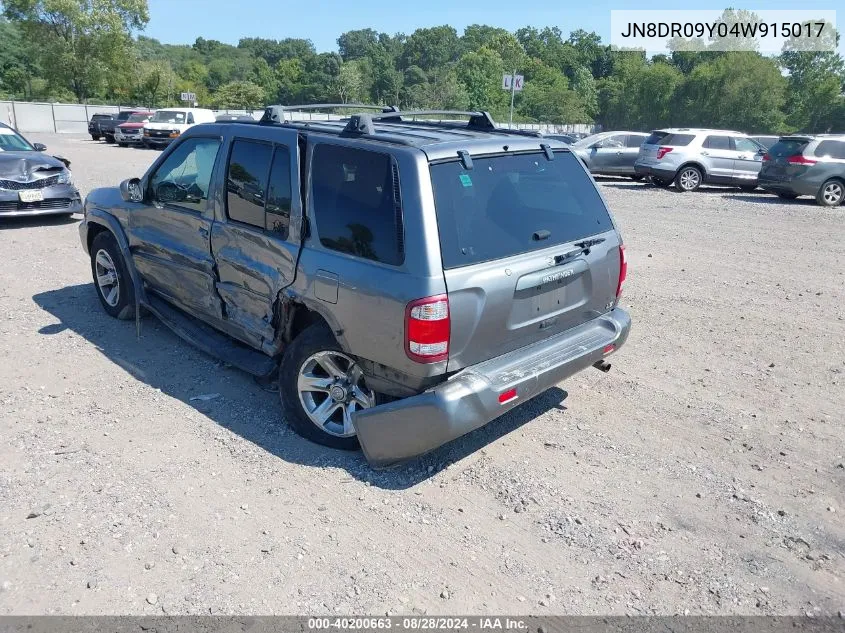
(256,238)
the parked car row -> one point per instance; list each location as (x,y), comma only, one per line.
(152,128)
(789,166)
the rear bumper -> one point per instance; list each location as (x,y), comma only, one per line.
(797,186)
(650,170)
(400,430)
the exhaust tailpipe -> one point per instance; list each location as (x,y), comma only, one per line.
(602,365)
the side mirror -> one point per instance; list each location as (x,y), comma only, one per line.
(130,190)
(597,145)
(39,147)
(170,192)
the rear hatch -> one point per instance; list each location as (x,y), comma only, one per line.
(785,159)
(659,143)
(515,240)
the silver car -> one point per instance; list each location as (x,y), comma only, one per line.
(690,157)
(610,153)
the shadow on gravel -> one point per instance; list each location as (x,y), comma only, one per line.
(771,199)
(23,222)
(165,362)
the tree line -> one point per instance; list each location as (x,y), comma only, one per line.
(75,51)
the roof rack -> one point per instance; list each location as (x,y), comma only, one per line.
(479,121)
(275,113)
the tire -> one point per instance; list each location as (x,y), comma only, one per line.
(121,306)
(786,195)
(109,138)
(748,188)
(123,144)
(659,182)
(831,193)
(303,359)
(636,177)
(95,137)
(688,178)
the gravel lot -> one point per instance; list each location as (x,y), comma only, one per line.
(704,474)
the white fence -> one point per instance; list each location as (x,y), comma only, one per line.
(72,118)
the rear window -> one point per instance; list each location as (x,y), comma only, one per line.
(677,140)
(655,137)
(495,209)
(785,148)
(832,149)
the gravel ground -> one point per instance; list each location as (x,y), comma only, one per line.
(704,474)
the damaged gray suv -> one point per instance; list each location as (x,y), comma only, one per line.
(410,280)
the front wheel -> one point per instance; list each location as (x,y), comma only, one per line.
(747,188)
(831,194)
(109,138)
(688,179)
(321,387)
(95,137)
(123,144)
(111,279)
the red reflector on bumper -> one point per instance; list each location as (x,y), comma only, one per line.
(507,396)
(608,348)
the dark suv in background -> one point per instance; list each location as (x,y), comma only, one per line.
(96,125)
(806,165)
(411,280)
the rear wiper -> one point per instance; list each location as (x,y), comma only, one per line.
(584,247)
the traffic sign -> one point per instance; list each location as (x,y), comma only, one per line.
(512,82)
(189,96)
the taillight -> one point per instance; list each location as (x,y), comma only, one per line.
(662,151)
(623,269)
(800,160)
(427,327)
(766,157)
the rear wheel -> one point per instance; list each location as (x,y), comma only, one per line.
(688,178)
(112,280)
(95,137)
(320,387)
(786,195)
(831,193)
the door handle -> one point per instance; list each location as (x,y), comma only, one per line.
(203,231)
(619,153)
(705,153)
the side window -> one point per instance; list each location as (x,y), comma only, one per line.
(279,194)
(190,118)
(246,181)
(183,179)
(832,149)
(612,142)
(356,208)
(717,142)
(635,140)
(745,145)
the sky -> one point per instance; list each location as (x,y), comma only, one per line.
(322,21)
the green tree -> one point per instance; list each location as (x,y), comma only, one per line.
(240,94)
(548,98)
(349,83)
(481,75)
(79,41)
(431,48)
(357,44)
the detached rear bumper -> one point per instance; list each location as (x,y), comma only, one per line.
(407,428)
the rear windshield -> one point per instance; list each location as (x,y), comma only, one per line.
(100,117)
(655,137)
(677,140)
(785,148)
(495,209)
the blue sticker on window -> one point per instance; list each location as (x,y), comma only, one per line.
(466,181)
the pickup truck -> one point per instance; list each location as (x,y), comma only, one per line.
(95,125)
(107,127)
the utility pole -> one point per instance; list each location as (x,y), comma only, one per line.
(513,91)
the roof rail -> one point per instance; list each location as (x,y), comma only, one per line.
(275,113)
(477,119)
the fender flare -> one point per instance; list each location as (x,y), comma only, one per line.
(110,223)
(318,307)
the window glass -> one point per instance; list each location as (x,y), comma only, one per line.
(612,142)
(246,181)
(168,116)
(635,140)
(355,207)
(833,149)
(717,142)
(183,179)
(656,137)
(787,147)
(746,145)
(10,141)
(279,194)
(494,209)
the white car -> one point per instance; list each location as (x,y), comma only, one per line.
(169,123)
